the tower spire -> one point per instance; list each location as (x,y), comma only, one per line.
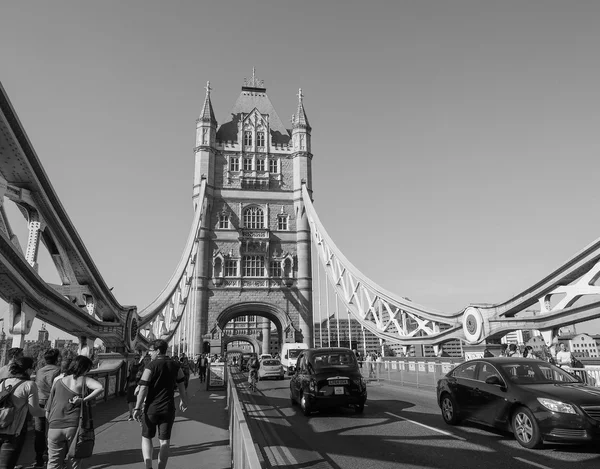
(207,114)
(300,120)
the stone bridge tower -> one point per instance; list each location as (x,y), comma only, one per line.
(254,253)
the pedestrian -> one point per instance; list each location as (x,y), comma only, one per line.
(24,399)
(253,367)
(64,407)
(202,364)
(11,354)
(185,367)
(513,351)
(563,357)
(528,352)
(44,378)
(157,395)
(132,380)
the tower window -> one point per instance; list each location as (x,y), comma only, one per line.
(234,163)
(282,222)
(231,268)
(254,218)
(248,138)
(273,166)
(275,269)
(223,221)
(260,165)
(247,164)
(254,266)
(260,139)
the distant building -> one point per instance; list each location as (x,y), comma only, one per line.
(44,336)
(584,345)
(351,335)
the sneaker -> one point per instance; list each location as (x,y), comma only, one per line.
(130,418)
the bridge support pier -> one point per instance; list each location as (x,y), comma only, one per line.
(20,319)
(266,335)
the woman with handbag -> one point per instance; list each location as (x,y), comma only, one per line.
(64,410)
(24,398)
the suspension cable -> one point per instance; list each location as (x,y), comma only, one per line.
(327,307)
(337,318)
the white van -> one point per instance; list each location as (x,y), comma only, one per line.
(289,355)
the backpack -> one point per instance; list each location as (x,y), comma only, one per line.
(7,407)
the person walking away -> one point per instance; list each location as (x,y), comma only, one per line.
(11,354)
(157,394)
(24,399)
(132,380)
(185,367)
(44,378)
(202,364)
(253,366)
(64,407)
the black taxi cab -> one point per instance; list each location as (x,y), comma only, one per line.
(328,377)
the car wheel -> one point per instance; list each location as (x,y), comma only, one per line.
(525,428)
(359,408)
(305,405)
(449,409)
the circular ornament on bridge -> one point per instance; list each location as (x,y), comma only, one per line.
(472,324)
(133,328)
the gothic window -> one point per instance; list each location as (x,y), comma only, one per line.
(254,266)
(223,221)
(231,268)
(247,164)
(248,138)
(234,163)
(254,218)
(282,222)
(260,164)
(260,139)
(275,270)
(273,165)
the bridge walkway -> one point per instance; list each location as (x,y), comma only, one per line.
(200,436)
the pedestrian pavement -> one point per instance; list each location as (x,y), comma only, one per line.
(200,437)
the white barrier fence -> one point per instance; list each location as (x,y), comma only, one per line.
(243,452)
(425,375)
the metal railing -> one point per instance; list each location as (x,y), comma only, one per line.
(112,374)
(423,374)
(243,451)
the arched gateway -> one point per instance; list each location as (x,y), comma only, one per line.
(253,257)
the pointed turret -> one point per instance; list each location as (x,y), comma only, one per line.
(207,114)
(206,131)
(300,127)
(300,120)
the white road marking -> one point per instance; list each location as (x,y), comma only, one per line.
(533,463)
(427,426)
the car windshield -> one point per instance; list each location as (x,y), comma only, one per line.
(336,360)
(271,362)
(536,372)
(293,353)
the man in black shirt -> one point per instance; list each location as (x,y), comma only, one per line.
(157,395)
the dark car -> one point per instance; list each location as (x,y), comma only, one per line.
(328,377)
(533,399)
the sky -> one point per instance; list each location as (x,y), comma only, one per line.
(455,142)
